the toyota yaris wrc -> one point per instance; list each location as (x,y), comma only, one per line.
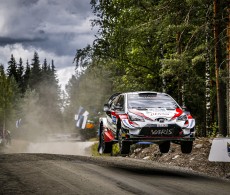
(147,116)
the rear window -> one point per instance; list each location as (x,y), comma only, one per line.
(151,100)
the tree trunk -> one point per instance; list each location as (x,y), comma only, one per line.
(220,86)
(207,81)
(228,66)
(181,89)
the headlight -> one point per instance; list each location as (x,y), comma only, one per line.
(182,117)
(134,117)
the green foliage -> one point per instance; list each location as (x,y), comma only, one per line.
(115,149)
(31,94)
(94,151)
(12,68)
(35,73)
(8,98)
(90,89)
(214,130)
(163,45)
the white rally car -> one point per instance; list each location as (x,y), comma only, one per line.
(145,116)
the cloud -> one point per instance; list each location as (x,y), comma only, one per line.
(28,53)
(53,28)
(50,25)
(9,41)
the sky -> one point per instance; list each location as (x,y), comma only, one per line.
(53,28)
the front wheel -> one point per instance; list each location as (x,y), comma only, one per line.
(103,147)
(186,147)
(124,146)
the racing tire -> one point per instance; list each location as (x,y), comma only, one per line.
(186,147)
(124,146)
(103,147)
(164,147)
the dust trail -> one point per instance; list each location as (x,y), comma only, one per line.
(68,148)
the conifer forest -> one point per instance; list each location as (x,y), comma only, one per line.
(180,47)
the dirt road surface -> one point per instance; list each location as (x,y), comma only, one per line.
(62,147)
(40,173)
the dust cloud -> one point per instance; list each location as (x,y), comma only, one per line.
(42,119)
(42,130)
(66,148)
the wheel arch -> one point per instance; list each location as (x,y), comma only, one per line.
(103,121)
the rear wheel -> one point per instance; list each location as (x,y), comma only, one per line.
(186,147)
(164,147)
(124,146)
(103,147)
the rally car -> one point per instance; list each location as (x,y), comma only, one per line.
(145,117)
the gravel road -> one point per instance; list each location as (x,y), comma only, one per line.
(25,173)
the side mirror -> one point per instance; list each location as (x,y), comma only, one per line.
(106,107)
(185,110)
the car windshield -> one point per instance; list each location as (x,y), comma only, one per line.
(151,100)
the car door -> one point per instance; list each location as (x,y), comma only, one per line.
(116,108)
(110,114)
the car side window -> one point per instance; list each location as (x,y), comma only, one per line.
(110,103)
(114,102)
(112,99)
(120,103)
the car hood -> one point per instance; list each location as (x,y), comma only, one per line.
(154,113)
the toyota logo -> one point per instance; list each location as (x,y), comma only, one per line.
(161,120)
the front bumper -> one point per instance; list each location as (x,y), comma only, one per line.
(156,133)
(160,130)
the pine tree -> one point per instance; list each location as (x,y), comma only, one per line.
(12,68)
(20,79)
(49,96)
(218,56)
(35,74)
(44,66)
(8,98)
(26,76)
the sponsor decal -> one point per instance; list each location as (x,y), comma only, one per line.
(162,125)
(162,132)
(157,109)
(158,114)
